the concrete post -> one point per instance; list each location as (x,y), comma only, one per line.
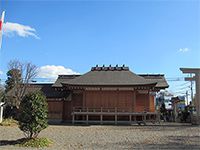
(1,112)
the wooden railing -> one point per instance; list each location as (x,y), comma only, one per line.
(102,109)
(85,113)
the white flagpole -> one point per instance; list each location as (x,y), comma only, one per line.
(1,32)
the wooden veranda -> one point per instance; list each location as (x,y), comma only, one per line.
(112,116)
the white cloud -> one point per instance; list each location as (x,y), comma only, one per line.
(10,29)
(1,72)
(184,50)
(52,71)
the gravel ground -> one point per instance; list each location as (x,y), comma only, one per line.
(165,136)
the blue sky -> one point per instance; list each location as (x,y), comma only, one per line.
(148,36)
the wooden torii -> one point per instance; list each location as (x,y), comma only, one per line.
(196,78)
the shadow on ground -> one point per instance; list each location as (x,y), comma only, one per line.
(177,142)
(172,143)
(11,142)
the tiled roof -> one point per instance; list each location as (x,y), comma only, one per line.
(63,78)
(46,89)
(159,78)
(109,76)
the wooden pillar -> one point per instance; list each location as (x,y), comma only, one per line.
(132,95)
(73,115)
(134,101)
(73,118)
(115,119)
(115,115)
(101,117)
(72,104)
(145,102)
(87,115)
(148,104)
(87,119)
(101,97)
(118,91)
(134,118)
(145,118)
(84,98)
(63,110)
(130,119)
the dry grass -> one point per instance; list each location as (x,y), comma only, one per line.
(36,142)
(9,122)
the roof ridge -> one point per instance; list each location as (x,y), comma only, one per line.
(110,68)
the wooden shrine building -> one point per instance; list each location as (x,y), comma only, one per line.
(103,95)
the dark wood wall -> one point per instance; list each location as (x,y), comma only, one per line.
(76,101)
(129,100)
(142,102)
(55,109)
(67,107)
(152,104)
(132,101)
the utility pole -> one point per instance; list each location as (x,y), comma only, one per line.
(187,98)
(191,88)
(196,78)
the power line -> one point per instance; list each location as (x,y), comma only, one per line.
(183,88)
(175,79)
(187,82)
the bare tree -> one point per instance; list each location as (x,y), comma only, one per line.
(22,74)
